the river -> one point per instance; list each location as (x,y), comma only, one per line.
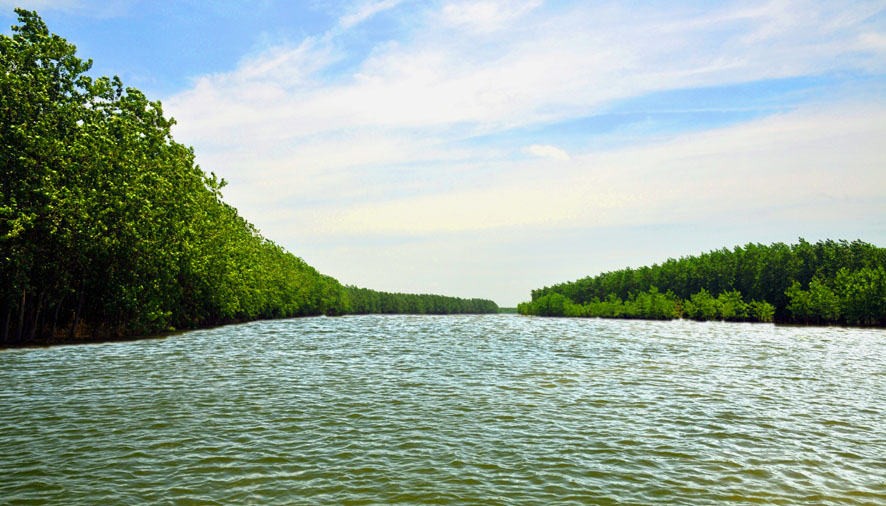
(495,409)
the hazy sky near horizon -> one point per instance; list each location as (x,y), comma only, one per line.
(483,149)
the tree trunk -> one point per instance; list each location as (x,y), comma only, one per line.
(76,315)
(21,316)
(55,317)
(6,324)
(35,326)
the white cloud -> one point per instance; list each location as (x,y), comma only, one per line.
(813,173)
(366,11)
(873,41)
(537,69)
(547,151)
(488,15)
(805,160)
(316,155)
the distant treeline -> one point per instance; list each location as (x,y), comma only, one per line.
(363,301)
(108,227)
(827,282)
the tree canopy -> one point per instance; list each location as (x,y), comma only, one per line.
(109,228)
(825,282)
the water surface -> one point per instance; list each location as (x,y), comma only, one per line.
(451,410)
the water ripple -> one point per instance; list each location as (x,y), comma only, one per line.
(451,410)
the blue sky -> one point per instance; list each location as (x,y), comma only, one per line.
(487,148)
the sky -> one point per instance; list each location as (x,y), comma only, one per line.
(487,148)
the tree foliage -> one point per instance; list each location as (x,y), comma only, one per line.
(363,301)
(837,282)
(109,228)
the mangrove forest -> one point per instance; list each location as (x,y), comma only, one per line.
(108,228)
(828,282)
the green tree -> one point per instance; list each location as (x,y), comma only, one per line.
(108,227)
(732,307)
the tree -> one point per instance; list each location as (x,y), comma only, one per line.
(108,227)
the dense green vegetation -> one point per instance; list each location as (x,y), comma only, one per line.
(109,228)
(827,282)
(363,301)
